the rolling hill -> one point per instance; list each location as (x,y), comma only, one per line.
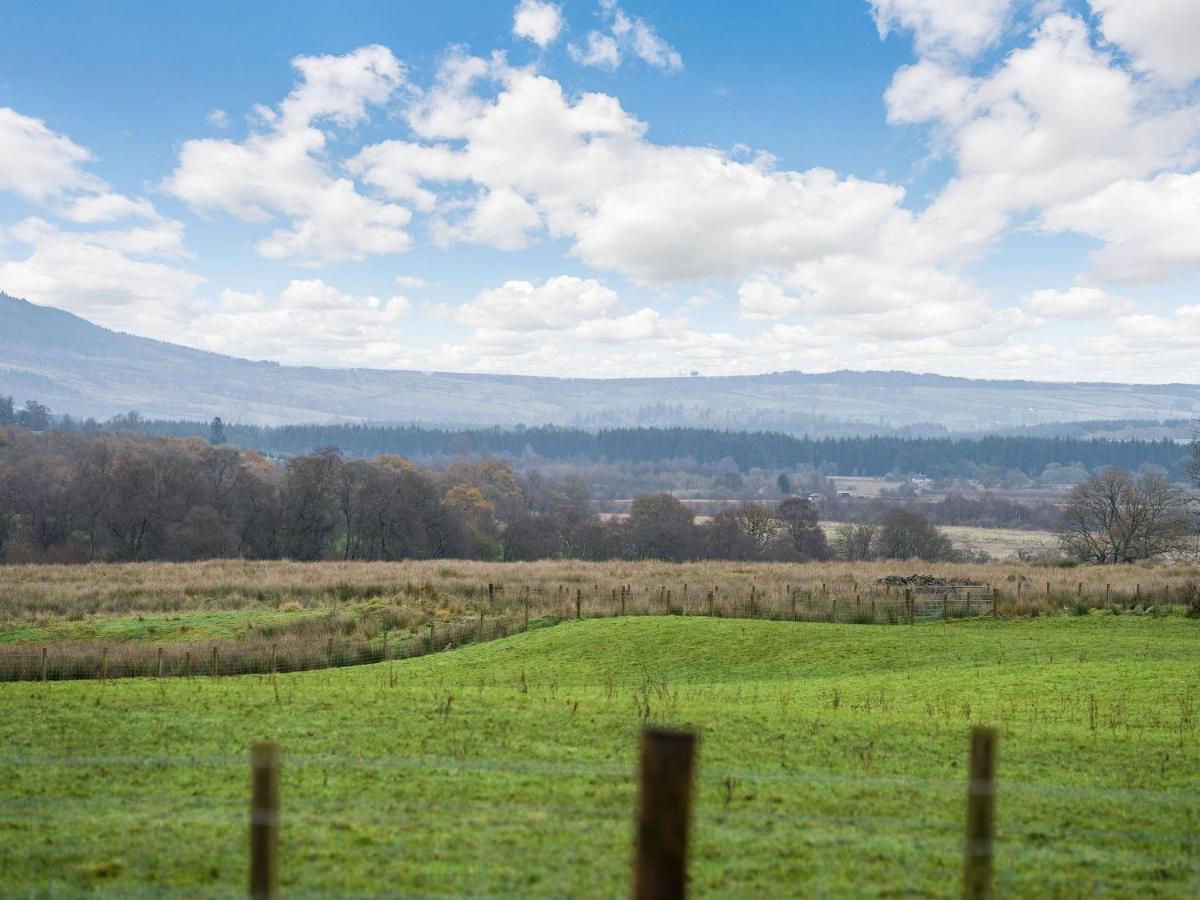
(82,369)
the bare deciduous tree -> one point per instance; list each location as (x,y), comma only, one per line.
(1114,517)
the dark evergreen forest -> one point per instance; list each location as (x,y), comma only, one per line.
(872,456)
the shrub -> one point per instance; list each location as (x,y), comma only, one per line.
(1189,595)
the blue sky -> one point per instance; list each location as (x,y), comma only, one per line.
(1000,188)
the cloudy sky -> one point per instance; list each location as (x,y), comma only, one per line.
(1000,188)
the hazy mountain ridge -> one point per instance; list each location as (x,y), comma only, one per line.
(80,368)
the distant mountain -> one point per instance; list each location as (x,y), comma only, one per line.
(79,368)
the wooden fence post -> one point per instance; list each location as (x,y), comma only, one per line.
(214,662)
(160,662)
(104,665)
(664,814)
(264,821)
(578,604)
(44,668)
(981,807)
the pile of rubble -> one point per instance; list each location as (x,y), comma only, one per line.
(927,582)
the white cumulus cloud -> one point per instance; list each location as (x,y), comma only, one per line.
(623,36)
(38,163)
(557,303)
(1160,35)
(945,27)
(1077,302)
(538,21)
(1150,228)
(283,171)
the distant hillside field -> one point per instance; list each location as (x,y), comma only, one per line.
(831,763)
(79,368)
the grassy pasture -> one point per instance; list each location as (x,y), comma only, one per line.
(831,763)
(132,619)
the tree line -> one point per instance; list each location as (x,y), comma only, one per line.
(861,456)
(78,497)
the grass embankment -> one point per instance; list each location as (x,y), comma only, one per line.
(831,762)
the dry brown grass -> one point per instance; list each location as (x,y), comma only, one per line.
(27,592)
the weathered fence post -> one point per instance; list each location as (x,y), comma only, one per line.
(981,806)
(578,603)
(1107,594)
(264,821)
(479,638)
(526,615)
(187,664)
(104,665)
(160,662)
(214,661)
(44,667)
(664,814)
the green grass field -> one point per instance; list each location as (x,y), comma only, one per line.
(831,762)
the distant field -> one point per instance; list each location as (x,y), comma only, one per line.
(831,763)
(1001,543)
(869,487)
